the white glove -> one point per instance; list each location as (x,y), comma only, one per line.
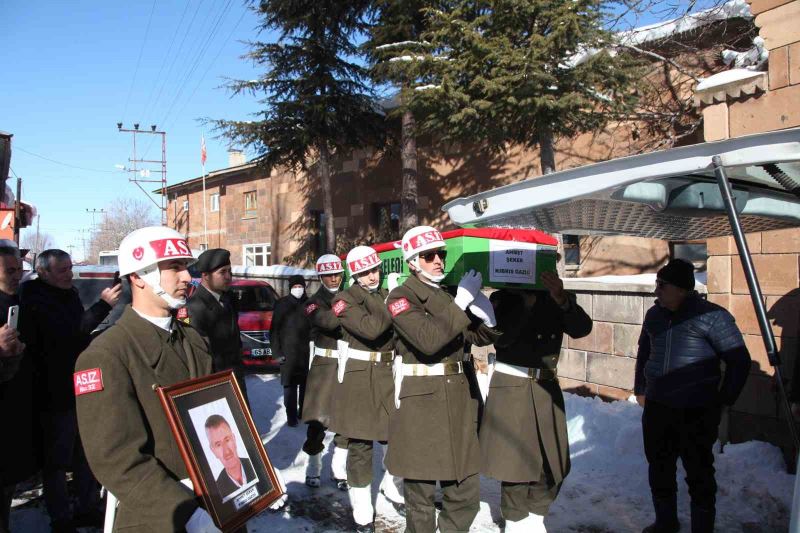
(280,502)
(468,287)
(201,522)
(482,308)
(393,281)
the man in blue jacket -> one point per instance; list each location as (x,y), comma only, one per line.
(680,384)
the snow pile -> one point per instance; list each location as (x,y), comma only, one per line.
(272,271)
(727,76)
(606,491)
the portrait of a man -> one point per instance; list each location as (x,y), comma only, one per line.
(237,471)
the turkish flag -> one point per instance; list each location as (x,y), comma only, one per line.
(203,149)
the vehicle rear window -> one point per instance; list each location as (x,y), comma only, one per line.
(254,298)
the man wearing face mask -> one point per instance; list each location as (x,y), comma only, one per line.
(128,441)
(433,424)
(212,312)
(362,400)
(324,354)
(289,335)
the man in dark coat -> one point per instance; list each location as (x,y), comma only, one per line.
(290,333)
(212,312)
(523,434)
(433,425)
(679,380)
(17,457)
(56,330)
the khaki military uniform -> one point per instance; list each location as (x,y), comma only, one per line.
(362,401)
(125,433)
(434,434)
(321,381)
(524,430)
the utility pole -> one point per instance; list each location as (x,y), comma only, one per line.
(142,174)
(94,211)
(83,232)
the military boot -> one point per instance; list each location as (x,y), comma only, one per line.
(666,516)
(703,519)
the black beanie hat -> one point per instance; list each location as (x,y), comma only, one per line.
(296,280)
(678,272)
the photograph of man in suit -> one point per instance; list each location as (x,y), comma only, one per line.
(238,471)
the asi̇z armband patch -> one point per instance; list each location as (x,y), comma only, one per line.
(310,308)
(339,307)
(399,306)
(87,381)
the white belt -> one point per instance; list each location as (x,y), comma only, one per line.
(521,371)
(363,355)
(438,369)
(326,352)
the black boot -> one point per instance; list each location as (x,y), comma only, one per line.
(703,519)
(666,516)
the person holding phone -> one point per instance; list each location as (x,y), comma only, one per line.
(17,458)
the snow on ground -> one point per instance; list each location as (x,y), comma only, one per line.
(606,491)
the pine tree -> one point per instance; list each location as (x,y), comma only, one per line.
(524,72)
(400,58)
(315,95)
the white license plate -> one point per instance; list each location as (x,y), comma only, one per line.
(260,352)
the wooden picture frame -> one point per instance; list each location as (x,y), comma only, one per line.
(216,436)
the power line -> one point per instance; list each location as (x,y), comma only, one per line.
(17,147)
(138,61)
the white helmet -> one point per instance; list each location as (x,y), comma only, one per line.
(422,239)
(329,264)
(141,251)
(362,258)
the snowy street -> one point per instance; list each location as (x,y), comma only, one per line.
(606,491)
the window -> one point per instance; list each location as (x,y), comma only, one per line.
(693,251)
(572,250)
(386,219)
(320,222)
(186,205)
(203,246)
(256,254)
(250,204)
(214,202)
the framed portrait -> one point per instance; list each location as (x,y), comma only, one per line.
(223,452)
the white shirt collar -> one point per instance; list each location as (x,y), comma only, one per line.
(163,322)
(216,295)
(244,477)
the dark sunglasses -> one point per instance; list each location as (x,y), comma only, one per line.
(429,256)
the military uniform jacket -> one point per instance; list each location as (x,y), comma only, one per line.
(217,321)
(434,434)
(361,402)
(124,430)
(325,331)
(523,416)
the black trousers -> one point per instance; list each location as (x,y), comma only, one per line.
(460,504)
(315,435)
(688,433)
(293,396)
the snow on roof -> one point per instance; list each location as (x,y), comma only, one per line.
(629,283)
(725,77)
(272,271)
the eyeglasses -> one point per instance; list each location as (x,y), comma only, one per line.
(429,256)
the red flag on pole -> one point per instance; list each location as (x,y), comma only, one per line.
(202,149)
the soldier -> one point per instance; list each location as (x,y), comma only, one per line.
(128,440)
(324,353)
(362,398)
(212,312)
(523,433)
(433,431)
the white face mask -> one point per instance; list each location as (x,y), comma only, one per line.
(435,279)
(297,292)
(153,278)
(332,290)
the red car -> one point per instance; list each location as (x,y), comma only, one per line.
(256,300)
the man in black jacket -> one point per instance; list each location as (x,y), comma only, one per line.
(680,384)
(17,457)
(290,333)
(56,329)
(212,312)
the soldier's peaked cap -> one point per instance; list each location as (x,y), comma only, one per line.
(212,259)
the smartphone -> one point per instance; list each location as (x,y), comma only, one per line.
(13,316)
(116,279)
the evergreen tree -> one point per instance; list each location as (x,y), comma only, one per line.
(524,72)
(316,99)
(400,58)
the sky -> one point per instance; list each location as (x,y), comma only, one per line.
(72,70)
(69,74)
